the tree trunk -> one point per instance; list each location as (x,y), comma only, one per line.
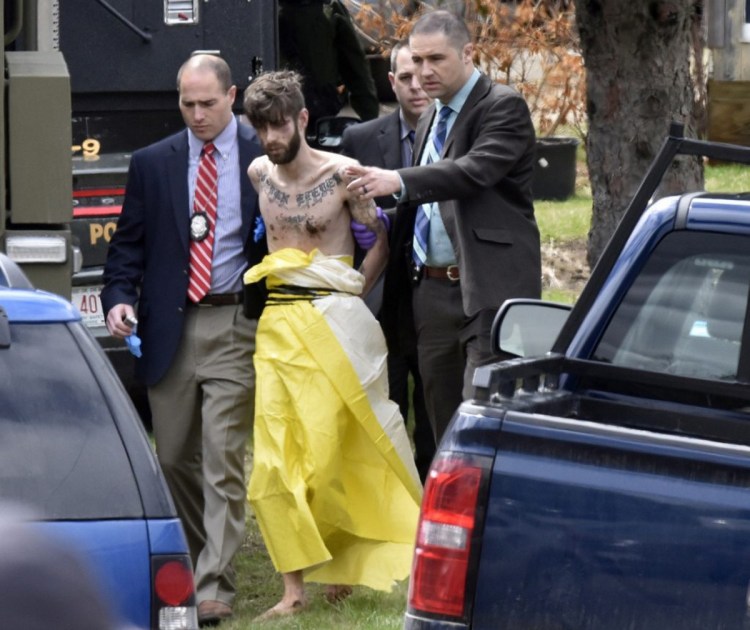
(637,56)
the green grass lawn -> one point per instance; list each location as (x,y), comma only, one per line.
(570,219)
(260,587)
(563,222)
(733,178)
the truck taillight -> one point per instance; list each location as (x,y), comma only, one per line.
(447,527)
(173,593)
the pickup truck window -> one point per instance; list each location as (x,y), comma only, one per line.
(685,312)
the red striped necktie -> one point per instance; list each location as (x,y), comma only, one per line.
(204,203)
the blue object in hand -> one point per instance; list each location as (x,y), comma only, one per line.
(133,342)
(364,236)
(260,229)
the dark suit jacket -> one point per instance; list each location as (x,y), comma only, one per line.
(484,190)
(378,143)
(148,257)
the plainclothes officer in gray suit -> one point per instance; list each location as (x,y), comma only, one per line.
(472,183)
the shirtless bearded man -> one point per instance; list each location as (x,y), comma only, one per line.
(333,487)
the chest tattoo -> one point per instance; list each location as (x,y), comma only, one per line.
(299,222)
(315,195)
(274,194)
(303,224)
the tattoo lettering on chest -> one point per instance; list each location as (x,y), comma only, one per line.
(274,194)
(293,217)
(315,195)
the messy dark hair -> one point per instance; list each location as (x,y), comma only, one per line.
(273,97)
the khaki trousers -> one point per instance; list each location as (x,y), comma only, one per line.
(202,413)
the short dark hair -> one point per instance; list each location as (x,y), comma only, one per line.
(452,26)
(403,43)
(212,63)
(273,97)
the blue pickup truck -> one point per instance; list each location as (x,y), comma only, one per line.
(602,478)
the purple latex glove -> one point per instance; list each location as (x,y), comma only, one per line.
(364,236)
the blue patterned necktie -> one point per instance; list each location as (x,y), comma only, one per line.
(410,148)
(422,222)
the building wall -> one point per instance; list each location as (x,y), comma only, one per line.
(728,38)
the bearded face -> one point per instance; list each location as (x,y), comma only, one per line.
(279,151)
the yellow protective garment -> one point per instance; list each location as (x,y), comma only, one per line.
(334,487)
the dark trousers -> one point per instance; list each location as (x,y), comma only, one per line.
(399,368)
(450,347)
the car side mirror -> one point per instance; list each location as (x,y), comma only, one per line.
(527,328)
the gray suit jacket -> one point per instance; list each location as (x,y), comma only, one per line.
(483,185)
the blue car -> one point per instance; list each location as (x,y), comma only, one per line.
(73,452)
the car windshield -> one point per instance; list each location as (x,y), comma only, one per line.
(60,451)
(685,313)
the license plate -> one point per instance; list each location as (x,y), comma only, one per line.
(86,300)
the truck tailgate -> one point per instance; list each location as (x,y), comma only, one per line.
(599,526)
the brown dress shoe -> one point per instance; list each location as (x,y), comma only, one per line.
(212,612)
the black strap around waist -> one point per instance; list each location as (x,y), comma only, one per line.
(286,293)
(219,299)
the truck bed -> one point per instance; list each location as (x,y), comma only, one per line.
(595,525)
(606,488)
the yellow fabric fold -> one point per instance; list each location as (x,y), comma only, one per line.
(334,486)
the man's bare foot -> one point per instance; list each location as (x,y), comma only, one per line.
(337,592)
(283,609)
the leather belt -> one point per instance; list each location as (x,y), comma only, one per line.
(442,273)
(219,299)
